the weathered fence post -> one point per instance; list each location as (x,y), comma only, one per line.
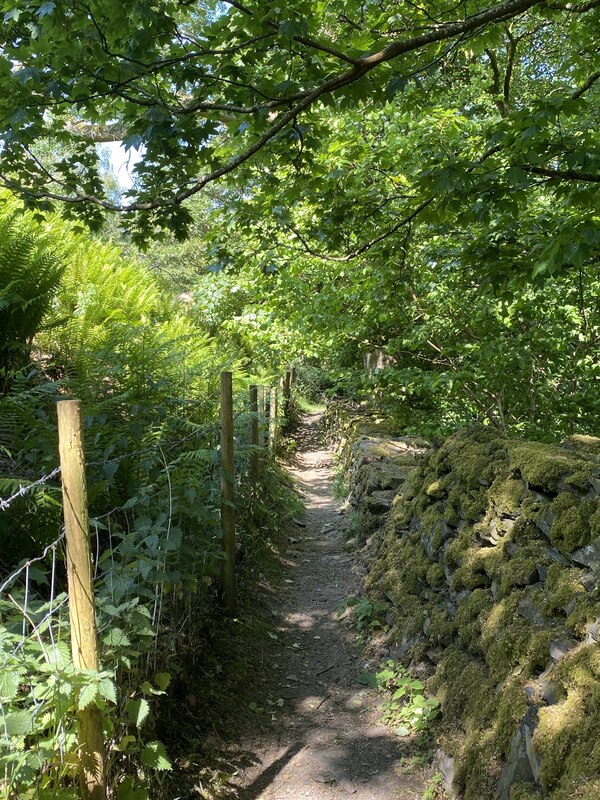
(262,404)
(287,393)
(82,612)
(227,501)
(273,419)
(254,454)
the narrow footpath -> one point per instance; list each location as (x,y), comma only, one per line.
(326,740)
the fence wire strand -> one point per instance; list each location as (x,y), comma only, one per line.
(5,504)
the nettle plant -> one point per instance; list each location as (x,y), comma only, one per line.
(406,709)
(365,615)
(41,691)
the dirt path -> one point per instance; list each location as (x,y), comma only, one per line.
(325,740)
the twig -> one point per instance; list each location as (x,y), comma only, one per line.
(331,666)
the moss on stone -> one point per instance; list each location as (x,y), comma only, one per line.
(474,504)
(497,643)
(507,494)
(572,527)
(537,655)
(477,565)
(458,548)
(441,628)
(561,587)
(568,734)
(451,515)
(469,618)
(524,791)
(520,570)
(434,490)
(578,789)
(480,766)
(586,609)
(511,707)
(476,457)
(544,465)
(433,524)
(590,445)
(436,575)
(458,682)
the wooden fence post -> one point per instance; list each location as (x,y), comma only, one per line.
(82,612)
(287,393)
(227,495)
(261,414)
(254,455)
(273,419)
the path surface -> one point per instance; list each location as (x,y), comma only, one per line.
(326,741)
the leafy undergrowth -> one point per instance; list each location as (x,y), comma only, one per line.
(215,698)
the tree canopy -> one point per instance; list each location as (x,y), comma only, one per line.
(209,89)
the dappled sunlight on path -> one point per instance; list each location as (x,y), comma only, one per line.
(326,741)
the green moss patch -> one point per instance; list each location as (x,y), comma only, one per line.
(476,564)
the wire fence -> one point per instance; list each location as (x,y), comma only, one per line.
(134,569)
(26,488)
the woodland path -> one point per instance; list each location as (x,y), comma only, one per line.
(326,741)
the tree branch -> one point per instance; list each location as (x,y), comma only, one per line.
(562,174)
(358,70)
(585,86)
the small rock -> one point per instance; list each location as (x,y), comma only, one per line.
(589,581)
(560,647)
(534,761)
(444,764)
(570,607)
(379,502)
(545,520)
(542,690)
(595,484)
(518,768)
(529,611)
(299,522)
(434,654)
(558,557)
(491,534)
(588,556)
(421,669)
(592,635)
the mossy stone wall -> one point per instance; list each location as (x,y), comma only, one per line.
(489,559)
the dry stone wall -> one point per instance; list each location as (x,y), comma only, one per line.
(487,551)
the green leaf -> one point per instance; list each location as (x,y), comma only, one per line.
(397,84)
(87,695)
(116,638)
(154,756)
(368,679)
(162,680)
(129,790)
(138,711)
(9,684)
(18,723)
(107,689)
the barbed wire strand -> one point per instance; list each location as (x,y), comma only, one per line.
(5,504)
(28,563)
